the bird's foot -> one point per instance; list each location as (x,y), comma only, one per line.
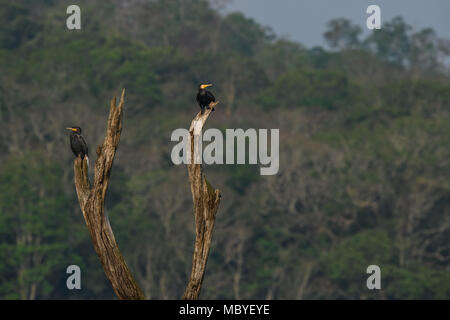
(212,105)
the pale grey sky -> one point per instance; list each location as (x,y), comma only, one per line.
(305,20)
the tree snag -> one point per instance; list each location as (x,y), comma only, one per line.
(92,203)
(206,202)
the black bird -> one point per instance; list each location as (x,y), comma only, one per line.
(77,143)
(204,97)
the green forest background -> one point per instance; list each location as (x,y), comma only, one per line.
(364,152)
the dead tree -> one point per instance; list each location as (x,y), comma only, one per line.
(206,202)
(92,203)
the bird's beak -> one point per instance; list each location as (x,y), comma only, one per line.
(206,85)
(70,129)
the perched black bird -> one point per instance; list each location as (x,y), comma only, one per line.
(77,143)
(204,97)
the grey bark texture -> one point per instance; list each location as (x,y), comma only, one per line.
(92,203)
(206,202)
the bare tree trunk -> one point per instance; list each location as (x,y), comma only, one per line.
(206,202)
(304,283)
(92,203)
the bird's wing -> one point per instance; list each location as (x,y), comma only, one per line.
(73,145)
(83,145)
(211,96)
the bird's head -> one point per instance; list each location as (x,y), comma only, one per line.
(204,86)
(75,129)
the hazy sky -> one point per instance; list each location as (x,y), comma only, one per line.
(305,20)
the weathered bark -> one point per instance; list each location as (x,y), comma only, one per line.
(92,203)
(206,202)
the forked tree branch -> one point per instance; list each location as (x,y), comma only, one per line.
(92,203)
(206,202)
